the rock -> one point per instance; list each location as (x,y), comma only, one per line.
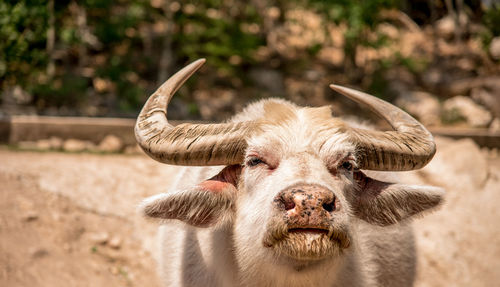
(17,95)
(495,125)
(56,143)
(99,238)
(388,30)
(111,143)
(115,242)
(493,153)
(466,64)
(313,75)
(422,105)
(445,27)
(462,157)
(495,48)
(332,55)
(464,107)
(133,149)
(74,145)
(15,101)
(487,97)
(31,215)
(273,12)
(43,144)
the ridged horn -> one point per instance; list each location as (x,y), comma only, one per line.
(410,146)
(187,144)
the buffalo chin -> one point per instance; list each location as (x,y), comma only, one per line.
(307,246)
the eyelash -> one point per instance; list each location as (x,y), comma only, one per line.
(254,161)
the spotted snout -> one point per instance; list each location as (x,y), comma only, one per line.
(307,206)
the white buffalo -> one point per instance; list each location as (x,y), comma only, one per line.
(277,195)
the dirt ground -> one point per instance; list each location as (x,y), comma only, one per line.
(70,219)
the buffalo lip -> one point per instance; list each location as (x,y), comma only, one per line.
(308,230)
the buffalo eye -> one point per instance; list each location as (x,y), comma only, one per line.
(347,165)
(254,161)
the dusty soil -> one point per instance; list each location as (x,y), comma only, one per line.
(70,219)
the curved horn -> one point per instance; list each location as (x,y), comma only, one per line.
(187,144)
(410,146)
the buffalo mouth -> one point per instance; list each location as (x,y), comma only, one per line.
(307,242)
(309,230)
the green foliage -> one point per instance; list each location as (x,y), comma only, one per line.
(359,16)
(23,27)
(379,84)
(67,90)
(120,44)
(491,19)
(217,36)
(111,21)
(314,49)
(414,65)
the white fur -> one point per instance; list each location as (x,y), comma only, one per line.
(232,254)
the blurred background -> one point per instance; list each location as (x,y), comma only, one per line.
(104,58)
(74,75)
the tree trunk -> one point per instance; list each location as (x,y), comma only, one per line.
(166,58)
(82,30)
(51,37)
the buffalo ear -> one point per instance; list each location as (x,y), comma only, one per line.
(383,203)
(207,204)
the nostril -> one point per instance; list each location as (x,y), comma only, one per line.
(329,206)
(289,205)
